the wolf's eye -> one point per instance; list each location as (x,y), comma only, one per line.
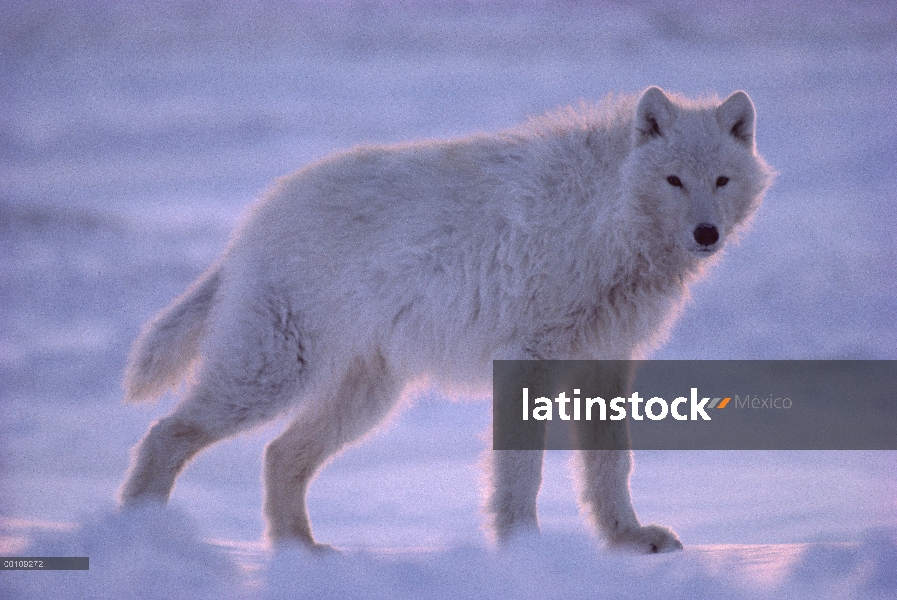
(721,181)
(674,181)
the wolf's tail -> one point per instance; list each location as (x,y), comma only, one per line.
(169,343)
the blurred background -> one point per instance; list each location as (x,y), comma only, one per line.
(134,135)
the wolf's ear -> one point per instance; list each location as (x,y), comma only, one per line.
(654,115)
(736,117)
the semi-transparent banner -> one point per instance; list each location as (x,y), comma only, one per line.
(695,405)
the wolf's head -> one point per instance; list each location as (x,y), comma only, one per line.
(694,172)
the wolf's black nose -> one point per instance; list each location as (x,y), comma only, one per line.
(706,234)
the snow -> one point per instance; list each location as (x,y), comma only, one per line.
(158,553)
(133,135)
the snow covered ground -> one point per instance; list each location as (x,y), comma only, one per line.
(132,136)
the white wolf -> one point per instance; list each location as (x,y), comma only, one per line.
(573,236)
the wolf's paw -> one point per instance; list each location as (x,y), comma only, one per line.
(650,539)
(322,549)
(304,547)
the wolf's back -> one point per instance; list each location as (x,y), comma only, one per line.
(169,343)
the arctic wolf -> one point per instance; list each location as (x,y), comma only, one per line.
(573,236)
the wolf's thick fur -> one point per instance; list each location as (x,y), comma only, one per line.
(573,236)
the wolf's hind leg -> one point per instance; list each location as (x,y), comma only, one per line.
(366,395)
(160,456)
(246,377)
(209,414)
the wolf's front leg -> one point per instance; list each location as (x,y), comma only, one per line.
(516,479)
(604,493)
